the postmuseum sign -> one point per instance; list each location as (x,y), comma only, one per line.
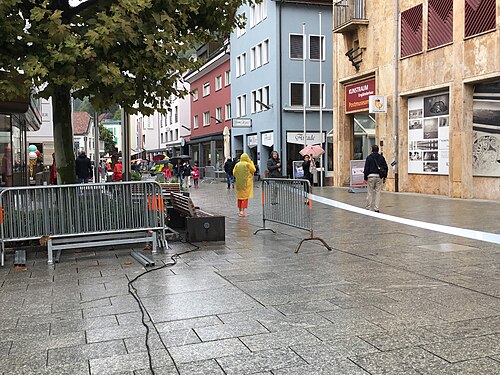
(357,95)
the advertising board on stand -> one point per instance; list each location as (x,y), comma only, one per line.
(357,182)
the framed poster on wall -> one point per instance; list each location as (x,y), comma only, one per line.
(486,130)
(429,134)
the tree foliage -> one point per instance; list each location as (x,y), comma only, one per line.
(107,137)
(125,52)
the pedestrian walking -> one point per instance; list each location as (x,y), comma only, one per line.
(274,165)
(83,168)
(118,171)
(53,171)
(196,176)
(228,168)
(243,172)
(187,169)
(375,173)
(179,171)
(306,167)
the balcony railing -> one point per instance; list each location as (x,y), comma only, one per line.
(348,12)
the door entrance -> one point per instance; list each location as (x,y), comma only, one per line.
(364,135)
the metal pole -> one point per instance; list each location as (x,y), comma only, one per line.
(396,93)
(304,77)
(125,146)
(321,100)
(96,148)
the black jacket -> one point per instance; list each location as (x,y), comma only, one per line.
(83,166)
(371,164)
(272,167)
(228,167)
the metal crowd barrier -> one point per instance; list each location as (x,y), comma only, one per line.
(209,174)
(86,214)
(286,202)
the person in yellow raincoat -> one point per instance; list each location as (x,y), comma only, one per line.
(243,172)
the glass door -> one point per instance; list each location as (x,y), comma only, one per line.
(364,135)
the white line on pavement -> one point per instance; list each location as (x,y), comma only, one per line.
(467,233)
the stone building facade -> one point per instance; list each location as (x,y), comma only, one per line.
(437,65)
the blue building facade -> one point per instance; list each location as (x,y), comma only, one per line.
(280,49)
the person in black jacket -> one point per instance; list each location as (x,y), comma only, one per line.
(83,168)
(274,165)
(375,173)
(228,168)
(306,167)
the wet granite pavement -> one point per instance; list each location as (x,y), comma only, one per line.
(389,298)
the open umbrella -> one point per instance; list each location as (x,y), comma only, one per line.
(314,150)
(227,144)
(174,159)
(164,161)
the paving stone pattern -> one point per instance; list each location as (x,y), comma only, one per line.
(389,299)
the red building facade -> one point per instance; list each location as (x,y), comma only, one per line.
(210,109)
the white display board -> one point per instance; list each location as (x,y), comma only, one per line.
(429,134)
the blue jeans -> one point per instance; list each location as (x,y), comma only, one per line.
(230,180)
(82,180)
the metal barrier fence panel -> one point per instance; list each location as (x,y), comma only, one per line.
(286,201)
(209,174)
(28,213)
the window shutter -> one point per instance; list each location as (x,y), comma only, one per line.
(296,47)
(480,16)
(314,95)
(297,94)
(315,47)
(440,29)
(411,31)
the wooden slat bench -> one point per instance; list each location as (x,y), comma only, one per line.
(169,188)
(200,225)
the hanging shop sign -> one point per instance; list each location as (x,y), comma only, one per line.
(252,141)
(311,138)
(241,122)
(357,94)
(429,134)
(377,104)
(268,139)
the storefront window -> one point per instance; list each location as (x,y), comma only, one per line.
(6,151)
(19,153)
(364,135)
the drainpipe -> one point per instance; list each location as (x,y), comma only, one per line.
(280,85)
(396,93)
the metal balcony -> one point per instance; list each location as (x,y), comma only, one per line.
(348,15)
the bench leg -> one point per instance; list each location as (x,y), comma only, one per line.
(155,242)
(49,252)
(2,256)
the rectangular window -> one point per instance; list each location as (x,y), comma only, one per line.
(195,95)
(411,31)
(161,136)
(253,61)
(218,113)
(265,52)
(241,102)
(258,13)
(206,89)
(314,95)
(206,118)
(176,134)
(316,47)
(195,122)
(265,96)
(176,114)
(241,62)
(253,102)
(243,29)
(440,23)
(227,78)
(296,46)
(228,111)
(296,94)
(218,83)
(480,16)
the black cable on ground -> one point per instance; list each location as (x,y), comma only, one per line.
(133,292)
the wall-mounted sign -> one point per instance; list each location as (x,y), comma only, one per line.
(311,138)
(241,122)
(268,139)
(377,104)
(252,140)
(357,94)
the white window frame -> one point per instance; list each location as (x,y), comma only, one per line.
(290,46)
(228,111)
(322,52)
(241,105)
(252,58)
(195,122)
(253,102)
(206,118)
(227,78)
(241,62)
(218,113)
(241,31)
(322,95)
(258,13)
(195,95)
(206,89)
(265,52)
(290,95)
(218,83)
